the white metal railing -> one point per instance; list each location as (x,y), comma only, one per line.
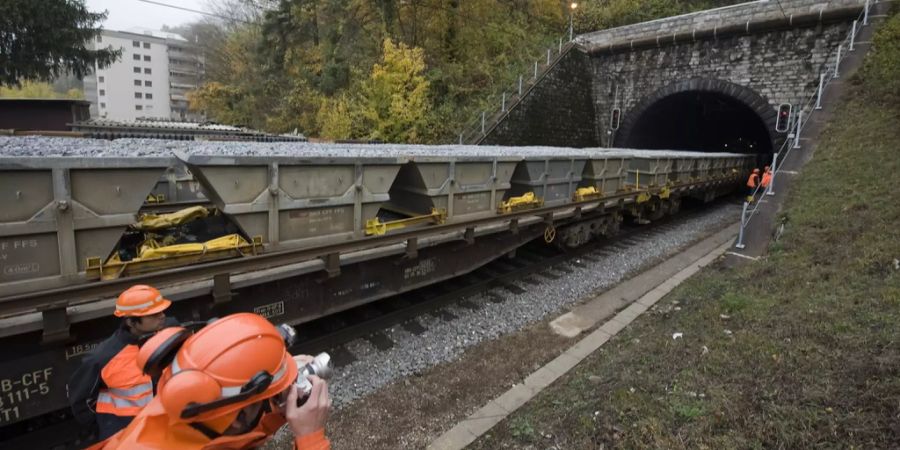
(476,129)
(804,113)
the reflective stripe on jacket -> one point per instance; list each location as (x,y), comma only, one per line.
(128,390)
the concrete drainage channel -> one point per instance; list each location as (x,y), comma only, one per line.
(484,317)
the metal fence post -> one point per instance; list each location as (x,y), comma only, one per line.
(520,85)
(560,45)
(548,56)
(770,189)
(460,139)
(483,113)
(819,94)
(797,132)
(740,242)
(837,60)
(503,103)
(866,14)
(535,70)
(853,35)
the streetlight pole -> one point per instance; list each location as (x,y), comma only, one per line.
(572,7)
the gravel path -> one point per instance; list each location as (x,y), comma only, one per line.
(444,341)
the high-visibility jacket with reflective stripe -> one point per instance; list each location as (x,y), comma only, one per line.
(88,381)
(128,390)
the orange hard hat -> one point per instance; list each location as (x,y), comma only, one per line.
(231,363)
(140,300)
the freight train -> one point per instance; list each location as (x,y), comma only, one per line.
(291,231)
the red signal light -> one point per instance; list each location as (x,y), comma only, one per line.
(783,121)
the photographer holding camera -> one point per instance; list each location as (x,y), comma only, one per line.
(231,385)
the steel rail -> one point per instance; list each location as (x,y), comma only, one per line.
(330,340)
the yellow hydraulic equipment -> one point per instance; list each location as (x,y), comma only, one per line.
(154,256)
(664,192)
(149,222)
(377,227)
(586,193)
(154,199)
(156,253)
(525,201)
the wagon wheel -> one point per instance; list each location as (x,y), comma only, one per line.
(549,234)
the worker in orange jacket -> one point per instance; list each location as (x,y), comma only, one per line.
(766,177)
(229,386)
(109,388)
(752,182)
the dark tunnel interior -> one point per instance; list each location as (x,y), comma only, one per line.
(700,121)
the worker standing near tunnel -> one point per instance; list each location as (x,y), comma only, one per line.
(231,385)
(752,182)
(766,178)
(109,388)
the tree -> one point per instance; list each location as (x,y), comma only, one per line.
(42,40)
(395,97)
(335,118)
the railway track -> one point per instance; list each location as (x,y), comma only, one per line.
(510,273)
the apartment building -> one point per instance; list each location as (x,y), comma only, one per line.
(150,79)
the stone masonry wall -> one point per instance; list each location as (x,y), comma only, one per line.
(559,111)
(752,12)
(781,66)
(773,52)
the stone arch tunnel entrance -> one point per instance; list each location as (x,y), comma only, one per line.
(710,115)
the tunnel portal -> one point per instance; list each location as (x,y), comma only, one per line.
(702,121)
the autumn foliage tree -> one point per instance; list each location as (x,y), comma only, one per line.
(393,70)
(395,104)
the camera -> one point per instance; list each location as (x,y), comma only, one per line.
(320,366)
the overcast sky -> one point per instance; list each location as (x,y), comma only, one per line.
(125,14)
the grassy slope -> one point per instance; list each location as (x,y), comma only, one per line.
(811,355)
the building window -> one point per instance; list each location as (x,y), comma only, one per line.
(146,57)
(148,83)
(137,70)
(135,43)
(102,91)
(136,57)
(148,96)
(146,45)
(137,82)
(137,95)
(100,79)
(147,70)
(148,107)
(103,105)
(138,107)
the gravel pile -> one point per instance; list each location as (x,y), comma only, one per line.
(23,146)
(446,341)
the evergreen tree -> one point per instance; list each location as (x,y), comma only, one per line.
(42,40)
